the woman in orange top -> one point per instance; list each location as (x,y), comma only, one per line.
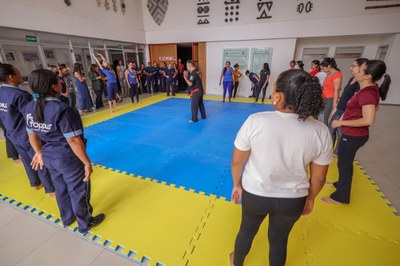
(236,76)
(331,88)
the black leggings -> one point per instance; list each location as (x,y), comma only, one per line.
(235,87)
(134,91)
(283,213)
(348,147)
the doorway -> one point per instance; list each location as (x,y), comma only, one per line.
(184,52)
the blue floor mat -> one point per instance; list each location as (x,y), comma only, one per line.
(158,142)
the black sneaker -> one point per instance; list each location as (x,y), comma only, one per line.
(95,221)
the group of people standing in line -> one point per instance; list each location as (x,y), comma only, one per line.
(272,153)
(273,150)
(46,132)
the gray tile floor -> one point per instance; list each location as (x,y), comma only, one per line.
(29,240)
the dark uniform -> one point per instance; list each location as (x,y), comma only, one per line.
(150,78)
(263,78)
(10,149)
(163,79)
(170,72)
(197,95)
(66,169)
(13,102)
(254,81)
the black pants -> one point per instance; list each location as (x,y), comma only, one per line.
(235,87)
(264,90)
(348,147)
(134,91)
(10,149)
(150,84)
(197,103)
(283,213)
(99,98)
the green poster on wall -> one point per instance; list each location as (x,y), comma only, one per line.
(259,57)
(239,56)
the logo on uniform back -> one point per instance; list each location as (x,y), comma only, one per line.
(36,126)
(3,107)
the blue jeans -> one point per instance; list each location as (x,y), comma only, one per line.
(335,131)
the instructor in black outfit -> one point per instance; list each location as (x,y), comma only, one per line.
(195,84)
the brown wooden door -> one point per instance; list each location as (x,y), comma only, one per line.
(167,53)
(199,57)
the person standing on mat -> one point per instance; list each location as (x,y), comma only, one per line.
(195,84)
(169,75)
(227,75)
(236,75)
(348,92)
(273,151)
(131,78)
(359,115)
(63,152)
(13,102)
(112,86)
(263,83)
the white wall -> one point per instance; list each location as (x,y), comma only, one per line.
(82,18)
(283,51)
(393,69)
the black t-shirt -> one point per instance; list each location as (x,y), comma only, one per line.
(252,77)
(263,76)
(195,79)
(348,92)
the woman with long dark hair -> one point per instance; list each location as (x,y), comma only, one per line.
(348,92)
(112,84)
(96,79)
(227,75)
(331,88)
(13,102)
(85,102)
(314,68)
(272,153)
(265,73)
(63,153)
(357,118)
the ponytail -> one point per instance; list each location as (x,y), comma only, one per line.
(39,109)
(384,88)
(41,82)
(302,93)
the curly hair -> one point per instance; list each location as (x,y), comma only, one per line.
(303,93)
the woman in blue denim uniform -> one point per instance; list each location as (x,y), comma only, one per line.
(227,75)
(13,102)
(63,153)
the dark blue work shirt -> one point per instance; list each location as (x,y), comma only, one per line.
(60,123)
(13,102)
(149,70)
(170,72)
(252,77)
(348,92)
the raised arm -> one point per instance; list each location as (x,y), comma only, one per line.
(97,60)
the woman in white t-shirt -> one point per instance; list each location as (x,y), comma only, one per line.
(273,151)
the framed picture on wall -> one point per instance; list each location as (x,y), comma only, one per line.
(49,54)
(10,57)
(78,58)
(30,56)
